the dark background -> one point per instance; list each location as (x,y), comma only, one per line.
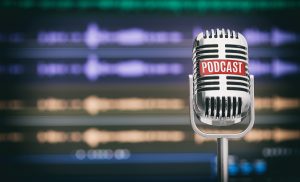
(98,90)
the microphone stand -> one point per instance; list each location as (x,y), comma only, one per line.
(222,155)
(222,139)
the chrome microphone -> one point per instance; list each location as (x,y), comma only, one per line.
(221,78)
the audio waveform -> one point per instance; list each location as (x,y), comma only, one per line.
(94,68)
(259,135)
(95,36)
(93,104)
(275,37)
(277,68)
(94,137)
(174,6)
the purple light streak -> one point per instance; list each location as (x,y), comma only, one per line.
(281,68)
(275,37)
(256,37)
(93,69)
(94,36)
(277,68)
(259,68)
(128,69)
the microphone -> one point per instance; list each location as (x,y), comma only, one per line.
(221,80)
(221,90)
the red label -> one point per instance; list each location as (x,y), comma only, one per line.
(211,67)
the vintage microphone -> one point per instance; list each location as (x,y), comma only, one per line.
(221,89)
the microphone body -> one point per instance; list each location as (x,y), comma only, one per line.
(221,80)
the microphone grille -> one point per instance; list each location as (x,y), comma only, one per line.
(221,77)
(220,33)
(221,107)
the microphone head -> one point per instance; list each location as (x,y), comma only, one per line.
(221,78)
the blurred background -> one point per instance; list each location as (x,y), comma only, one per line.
(98,90)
